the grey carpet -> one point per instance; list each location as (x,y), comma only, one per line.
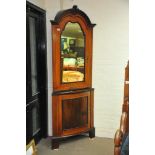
(80,145)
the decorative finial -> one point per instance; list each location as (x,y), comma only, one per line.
(75,7)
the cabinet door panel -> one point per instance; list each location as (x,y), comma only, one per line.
(75,113)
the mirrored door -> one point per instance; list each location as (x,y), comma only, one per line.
(72,53)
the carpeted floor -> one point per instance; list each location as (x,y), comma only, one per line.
(80,145)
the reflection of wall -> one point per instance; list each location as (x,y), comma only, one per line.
(79,42)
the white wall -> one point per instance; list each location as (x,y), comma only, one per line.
(39,3)
(110,55)
(52,7)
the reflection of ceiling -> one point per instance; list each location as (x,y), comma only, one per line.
(73,30)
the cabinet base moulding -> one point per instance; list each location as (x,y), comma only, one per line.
(55,141)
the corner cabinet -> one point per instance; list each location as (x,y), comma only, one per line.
(73,95)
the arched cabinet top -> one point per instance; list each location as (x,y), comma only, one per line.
(73,11)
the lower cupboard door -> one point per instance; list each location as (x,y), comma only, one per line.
(75,110)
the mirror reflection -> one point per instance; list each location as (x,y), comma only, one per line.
(72,53)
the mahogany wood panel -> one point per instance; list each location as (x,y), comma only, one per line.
(92,108)
(74,112)
(126,83)
(55,116)
(74,96)
(126,91)
(127,72)
(84,113)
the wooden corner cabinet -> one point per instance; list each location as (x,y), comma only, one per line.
(73,95)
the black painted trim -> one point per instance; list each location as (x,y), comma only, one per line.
(40,13)
(73,91)
(74,11)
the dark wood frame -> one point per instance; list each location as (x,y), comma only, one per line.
(42,65)
(73,89)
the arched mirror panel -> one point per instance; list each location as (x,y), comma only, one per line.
(72,53)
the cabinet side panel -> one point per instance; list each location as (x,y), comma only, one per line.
(89,58)
(92,108)
(55,115)
(56,55)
